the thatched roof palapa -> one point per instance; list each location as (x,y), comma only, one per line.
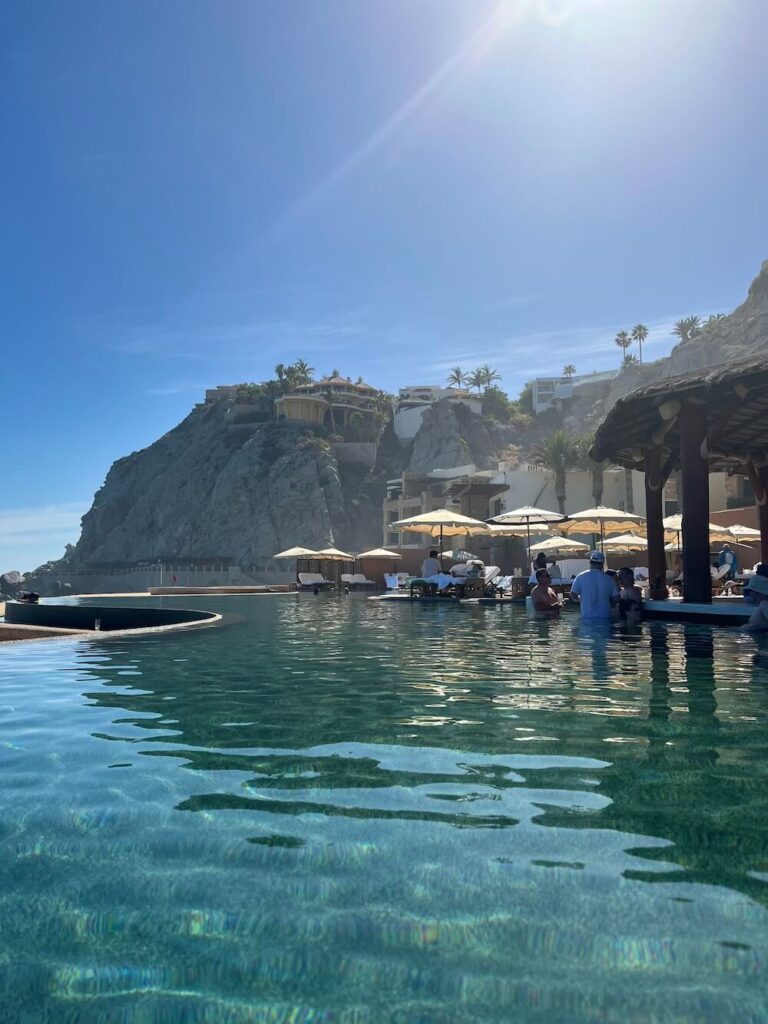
(735,397)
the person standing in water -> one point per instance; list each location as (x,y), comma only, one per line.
(543,597)
(595,592)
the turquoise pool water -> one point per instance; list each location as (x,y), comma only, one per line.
(331,809)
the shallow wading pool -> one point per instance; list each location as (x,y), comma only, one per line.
(329,809)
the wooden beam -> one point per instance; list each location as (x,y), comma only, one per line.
(654,527)
(761,494)
(697,579)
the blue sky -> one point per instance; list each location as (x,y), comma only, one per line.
(194,191)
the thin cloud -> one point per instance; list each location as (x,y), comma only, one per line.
(206,343)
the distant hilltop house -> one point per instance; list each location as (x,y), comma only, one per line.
(331,402)
(550,392)
(412,402)
(222,392)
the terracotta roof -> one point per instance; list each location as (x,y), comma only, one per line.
(736,399)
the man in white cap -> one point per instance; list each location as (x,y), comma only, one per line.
(595,592)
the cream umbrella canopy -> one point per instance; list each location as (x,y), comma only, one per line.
(334,555)
(743,534)
(625,543)
(526,516)
(599,519)
(557,544)
(296,553)
(379,553)
(673,526)
(441,523)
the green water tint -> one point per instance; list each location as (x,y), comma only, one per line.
(331,809)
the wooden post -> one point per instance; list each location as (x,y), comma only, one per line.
(762,511)
(654,527)
(697,579)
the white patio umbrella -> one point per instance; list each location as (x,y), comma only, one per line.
(625,543)
(460,555)
(743,534)
(295,553)
(600,519)
(552,545)
(526,516)
(334,555)
(442,523)
(379,553)
(673,526)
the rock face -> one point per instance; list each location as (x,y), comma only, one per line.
(213,488)
(452,435)
(742,335)
(201,491)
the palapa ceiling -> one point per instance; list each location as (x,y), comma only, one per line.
(735,397)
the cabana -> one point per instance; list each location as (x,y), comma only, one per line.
(713,419)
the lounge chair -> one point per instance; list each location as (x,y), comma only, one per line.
(391,581)
(502,583)
(356,579)
(313,580)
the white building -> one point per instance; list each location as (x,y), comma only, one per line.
(549,392)
(533,485)
(412,402)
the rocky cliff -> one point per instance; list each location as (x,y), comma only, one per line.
(742,335)
(219,485)
(214,486)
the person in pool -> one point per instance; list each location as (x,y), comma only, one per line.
(630,597)
(543,597)
(758,622)
(750,596)
(595,592)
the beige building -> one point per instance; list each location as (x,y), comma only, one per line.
(331,402)
(533,485)
(465,489)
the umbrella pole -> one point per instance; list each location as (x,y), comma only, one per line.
(528,538)
(602,536)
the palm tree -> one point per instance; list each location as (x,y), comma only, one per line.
(328,395)
(456,378)
(490,376)
(304,371)
(623,340)
(680,328)
(558,453)
(694,326)
(630,359)
(639,334)
(687,328)
(585,461)
(280,372)
(715,318)
(476,379)
(569,370)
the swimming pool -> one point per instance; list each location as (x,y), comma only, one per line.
(333,809)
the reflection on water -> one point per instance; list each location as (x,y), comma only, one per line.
(330,809)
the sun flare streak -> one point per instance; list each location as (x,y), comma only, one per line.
(505,16)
